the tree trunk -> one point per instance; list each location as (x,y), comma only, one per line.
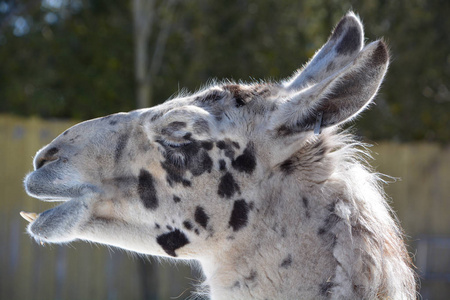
(146,69)
(143,18)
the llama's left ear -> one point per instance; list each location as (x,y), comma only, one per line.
(336,98)
(344,44)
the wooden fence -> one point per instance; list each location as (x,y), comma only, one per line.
(421,198)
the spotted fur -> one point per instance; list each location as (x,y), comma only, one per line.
(234,177)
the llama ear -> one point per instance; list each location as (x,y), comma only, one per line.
(342,47)
(336,98)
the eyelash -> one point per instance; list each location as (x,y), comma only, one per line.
(176,145)
(172,144)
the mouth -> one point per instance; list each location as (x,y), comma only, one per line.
(32,216)
(58,224)
(29,216)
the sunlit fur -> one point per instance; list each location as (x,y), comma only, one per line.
(235,178)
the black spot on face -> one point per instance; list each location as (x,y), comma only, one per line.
(146,190)
(187,136)
(222,165)
(286,263)
(350,42)
(227,186)
(121,144)
(187,225)
(246,162)
(239,215)
(201,217)
(176,199)
(73,140)
(252,276)
(203,164)
(174,173)
(226,147)
(172,241)
(157,226)
(207,145)
(240,102)
(113,122)
(221,145)
(325,288)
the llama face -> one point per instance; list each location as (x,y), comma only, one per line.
(182,175)
(188,177)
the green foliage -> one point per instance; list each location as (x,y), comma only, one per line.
(82,65)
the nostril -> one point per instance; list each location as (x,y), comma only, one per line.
(42,161)
(46,157)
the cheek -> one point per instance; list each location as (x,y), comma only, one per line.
(104,209)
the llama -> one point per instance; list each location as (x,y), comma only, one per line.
(254,181)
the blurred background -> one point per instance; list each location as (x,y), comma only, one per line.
(64,61)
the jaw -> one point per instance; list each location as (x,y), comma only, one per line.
(59,224)
(83,219)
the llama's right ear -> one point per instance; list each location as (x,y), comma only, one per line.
(337,98)
(342,47)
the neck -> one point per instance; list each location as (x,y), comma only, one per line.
(321,233)
(280,250)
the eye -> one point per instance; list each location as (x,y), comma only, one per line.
(174,152)
(173,143)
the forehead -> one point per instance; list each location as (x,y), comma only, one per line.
(220,99)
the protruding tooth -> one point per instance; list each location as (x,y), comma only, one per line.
(30,217)
(42,243)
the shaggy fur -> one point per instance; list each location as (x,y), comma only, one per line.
(235,178)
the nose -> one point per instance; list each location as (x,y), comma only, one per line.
(45,157)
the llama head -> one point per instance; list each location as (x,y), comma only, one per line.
(187,178)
